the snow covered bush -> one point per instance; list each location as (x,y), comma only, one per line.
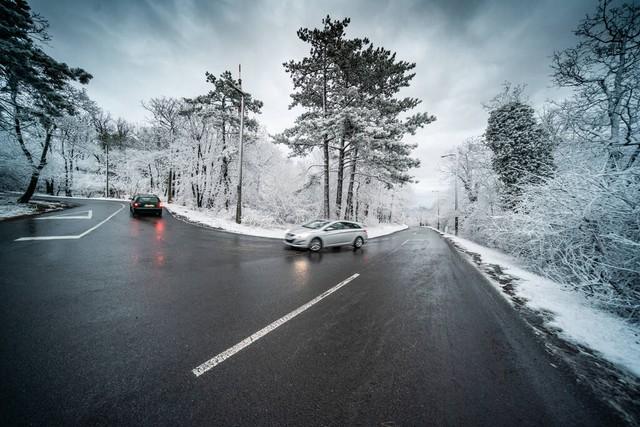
(580,228)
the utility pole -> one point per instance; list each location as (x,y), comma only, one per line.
(107,150)
(455,192)
(239,89)
(455,189)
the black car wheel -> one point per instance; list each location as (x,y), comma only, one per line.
(315,245)
(358,242)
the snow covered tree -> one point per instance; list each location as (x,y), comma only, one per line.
(604,68)
(348,89)
(222,103)
(73,139)
(522,150)
(315,79)
(34,87)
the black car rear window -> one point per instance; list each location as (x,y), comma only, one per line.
(148,199)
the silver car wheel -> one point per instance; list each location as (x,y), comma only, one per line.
(316,245)
(358,243)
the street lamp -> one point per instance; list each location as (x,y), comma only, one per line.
(242,95)
(455,189)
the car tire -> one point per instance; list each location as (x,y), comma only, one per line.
(159,213)
(315,245)
(357,244)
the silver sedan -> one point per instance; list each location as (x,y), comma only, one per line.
(322,233)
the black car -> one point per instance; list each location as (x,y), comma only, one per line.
(145,203)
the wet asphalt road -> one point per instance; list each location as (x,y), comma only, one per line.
(106,329)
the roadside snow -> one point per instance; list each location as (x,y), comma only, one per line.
(9,208)
(384,229)
(207,218)
(274,232)
(109,199)
(579,320)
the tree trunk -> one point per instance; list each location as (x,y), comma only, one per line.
(151,176)
(340,178)
(357,203)
(35,169)
(224,173)
(49,186)
(69,185)
(615,111)
(66,177)
(325,143)
(348,214)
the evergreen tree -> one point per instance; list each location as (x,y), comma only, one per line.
(316,78)
(34,87)
(348,89)
(522,151)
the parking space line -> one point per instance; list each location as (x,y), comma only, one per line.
(216,360)
(71,237)
(85,215)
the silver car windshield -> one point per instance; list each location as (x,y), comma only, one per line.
(314,225)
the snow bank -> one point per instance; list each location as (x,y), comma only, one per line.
(384,229)
(210,219)
(579,320)
(9,208)
(109,199)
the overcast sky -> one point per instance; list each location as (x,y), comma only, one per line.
(464,51)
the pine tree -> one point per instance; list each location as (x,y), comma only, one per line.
(348,89)
(522,151)
(316,78)
(34,87)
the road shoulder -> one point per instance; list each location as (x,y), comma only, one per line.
(612,382)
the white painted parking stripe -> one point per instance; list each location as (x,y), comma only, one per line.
(214,361)
(85,215)
(71,237)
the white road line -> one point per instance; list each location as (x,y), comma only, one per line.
(214,361)
(71,237)
(87,215)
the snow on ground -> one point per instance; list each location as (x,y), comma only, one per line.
(110,199)
(384,229)
(275,232)
(10,208)
(579,320)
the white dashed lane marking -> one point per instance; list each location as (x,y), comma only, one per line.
(216,360)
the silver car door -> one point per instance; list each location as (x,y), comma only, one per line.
(333,234)
(347,234)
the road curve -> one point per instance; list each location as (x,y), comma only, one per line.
(106,329)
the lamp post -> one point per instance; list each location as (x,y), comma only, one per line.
(455,189)
(239,189)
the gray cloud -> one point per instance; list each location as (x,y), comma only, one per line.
(464,51)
